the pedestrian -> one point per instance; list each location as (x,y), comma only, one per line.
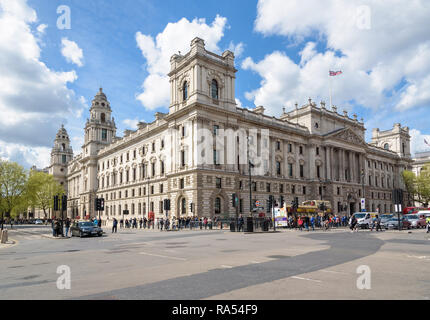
(300,222)
(378,223)
(313,223)
(428,224)
(161,222)
(241,223)
(99,223)
(353,223)
(205,221)
(114,225)
(54,230)
(67,225)
(121,223)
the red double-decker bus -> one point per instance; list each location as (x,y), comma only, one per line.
(411,210)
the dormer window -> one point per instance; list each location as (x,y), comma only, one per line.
(185,91)
(214,89)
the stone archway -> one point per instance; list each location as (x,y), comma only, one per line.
(213,202)
(181,209)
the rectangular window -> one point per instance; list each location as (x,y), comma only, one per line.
(278,168)
(267,187)
(281,188)
(290,170)
(216,157)
(254,186)
(218,183)
(301,150)
(304,190)
(318,172)
(301,171)
(278,145)
(181,183)
(161,188)
(318,151)
(293,189)
(64,158)
(290,147)
(152,189)
(216,128)
(183,158)
(104,134)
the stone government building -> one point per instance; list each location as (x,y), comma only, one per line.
(315,152)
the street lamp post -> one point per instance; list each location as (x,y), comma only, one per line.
(362,184)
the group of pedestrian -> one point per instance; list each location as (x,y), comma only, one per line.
(58,227)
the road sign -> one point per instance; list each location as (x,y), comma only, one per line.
(363,203)
(257,203)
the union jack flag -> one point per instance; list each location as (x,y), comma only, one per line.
(335,73)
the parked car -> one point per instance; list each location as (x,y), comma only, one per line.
(393,223)
(85,228)
(417,221)
(385,218)
(39,222)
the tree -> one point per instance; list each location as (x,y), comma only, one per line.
(42,188)
(418,186)
(409,180)
(423,185)
(13,187)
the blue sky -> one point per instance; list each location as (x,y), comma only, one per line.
(284,50)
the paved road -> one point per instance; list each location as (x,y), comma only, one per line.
(136,264)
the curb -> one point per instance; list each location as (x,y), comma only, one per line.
(9,244)
(55,238)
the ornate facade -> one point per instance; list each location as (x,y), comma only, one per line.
(197,154)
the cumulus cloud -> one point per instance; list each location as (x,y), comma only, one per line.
(157,52)
(417,141)
(237,49)
(34,99)
(380,46)
(71,51)
(42,28)
(131,123)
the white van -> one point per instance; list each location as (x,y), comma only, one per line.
(364,219)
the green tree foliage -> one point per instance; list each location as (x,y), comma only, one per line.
(418,187)
(42,188)
(13,187)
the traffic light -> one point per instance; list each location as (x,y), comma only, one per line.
(100,204)
(234,200)
(281,201)
(295,203)
(56,208)
(322,206)
(64,202)
(192,207)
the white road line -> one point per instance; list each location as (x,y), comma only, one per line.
(161,256)
(226,267)
(255,262)
(299,278)
(329,271)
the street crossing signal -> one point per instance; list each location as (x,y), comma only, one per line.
(56,203)
(281,201)
(235,200)
(64,202)
(192,207)
(100,204)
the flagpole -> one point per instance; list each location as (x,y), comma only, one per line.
(329,86)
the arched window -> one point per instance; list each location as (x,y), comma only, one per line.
(214,89)
(185,91)
(217,206)
(103,117)
(386,146)
(63,147)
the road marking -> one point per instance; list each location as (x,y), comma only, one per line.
(255,262)
(299,278)
(161,256)
(329,271)
(420,257)
(226,267)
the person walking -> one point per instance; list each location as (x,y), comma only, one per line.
(300,222)
(161,224)
(115,226)
(67,225)
(378,223)
(428,224)
(313,223)
(241,223)
(54,230)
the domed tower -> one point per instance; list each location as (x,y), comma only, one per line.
(100,129)
(61,155)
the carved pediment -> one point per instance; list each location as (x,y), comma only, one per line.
(347,135)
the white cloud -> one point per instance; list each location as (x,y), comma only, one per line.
(34,99)
(42,28)
(417,141)
(131,123)
(379,46)
(71,51)
(157,51)
(237,49)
